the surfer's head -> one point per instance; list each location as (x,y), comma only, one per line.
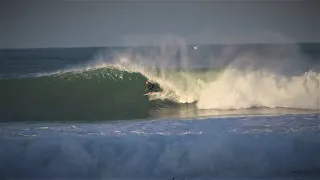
(147,82)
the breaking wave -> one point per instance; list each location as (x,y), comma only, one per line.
(113,89)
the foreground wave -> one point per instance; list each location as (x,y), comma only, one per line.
(280,147)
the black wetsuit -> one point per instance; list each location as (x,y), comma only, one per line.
(150,87)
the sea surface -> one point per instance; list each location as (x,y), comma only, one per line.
(224,112)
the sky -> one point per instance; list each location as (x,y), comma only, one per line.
(87,23)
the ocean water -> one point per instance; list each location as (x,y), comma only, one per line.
(224,112)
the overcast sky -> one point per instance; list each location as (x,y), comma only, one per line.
(72,23)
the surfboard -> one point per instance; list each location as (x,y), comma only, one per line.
(150,93)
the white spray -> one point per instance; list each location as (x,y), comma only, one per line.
(279,76)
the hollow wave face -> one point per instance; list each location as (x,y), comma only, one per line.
(88,95)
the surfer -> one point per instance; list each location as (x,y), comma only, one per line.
(150,87)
